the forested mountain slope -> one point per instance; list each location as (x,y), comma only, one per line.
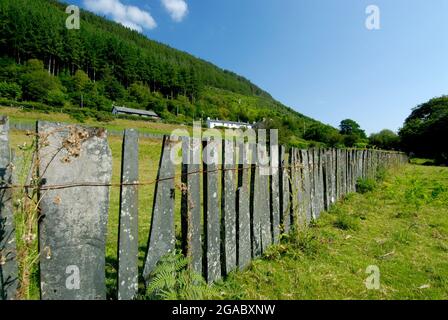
(104,63)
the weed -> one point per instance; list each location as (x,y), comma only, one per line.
(304,241)
(172,279)
(345,221)
(365,185)
(381,174)
(26,217)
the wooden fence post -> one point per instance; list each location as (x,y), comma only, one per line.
(73,224)
(8,263)
(162,237)
(128,224)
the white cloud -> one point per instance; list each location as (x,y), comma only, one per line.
(177,9)
(129,16)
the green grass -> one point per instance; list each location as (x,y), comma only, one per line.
(17,115)
(401,227)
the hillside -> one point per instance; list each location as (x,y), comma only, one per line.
(83,72)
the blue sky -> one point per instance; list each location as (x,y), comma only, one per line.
(315,56)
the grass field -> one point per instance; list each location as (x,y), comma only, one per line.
(401,227)
(17,115)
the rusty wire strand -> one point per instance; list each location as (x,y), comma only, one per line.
(133,184)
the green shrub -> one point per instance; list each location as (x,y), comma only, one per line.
(10,90)
(381,174)
(344,221)
(365,185)
(55,98)
(104,117)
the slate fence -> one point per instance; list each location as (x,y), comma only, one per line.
(230,213)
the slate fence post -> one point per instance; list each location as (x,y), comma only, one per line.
(8,252)
(73,223)
(191,203)
(162,236)
(128,220)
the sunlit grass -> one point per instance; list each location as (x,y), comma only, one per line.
(402,227)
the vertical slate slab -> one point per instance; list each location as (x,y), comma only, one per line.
(348,174)
(128,224)
(243,209)
(306,184)
(358,166)
(359,156)
(228,206)
(212,217)
(275,192)
(299,214)
(301,219)
(333,176)
(325,157)
(363,164)
(285,191)
(352,170)
(295,187)
(353,163)
(320,188)
(162,237)
(301,190)
(292,184)
(314,181)
(73,224)
(256,203)
(265,207)
(370,173)
(344,172)
(8,263)
(328,176)
(191,203)
(338,168)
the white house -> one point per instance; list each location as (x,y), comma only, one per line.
(227,124)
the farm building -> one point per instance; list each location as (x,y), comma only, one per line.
(135,112)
